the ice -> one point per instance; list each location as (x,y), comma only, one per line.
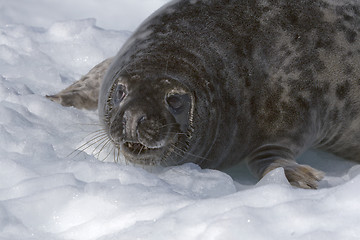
(51,190)
(277,176)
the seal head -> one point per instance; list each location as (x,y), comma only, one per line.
(149,119)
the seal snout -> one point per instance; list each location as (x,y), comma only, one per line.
(142,132)
(131,121)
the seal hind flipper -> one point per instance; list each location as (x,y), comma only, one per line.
(84,93)
(298,175)
(269,157)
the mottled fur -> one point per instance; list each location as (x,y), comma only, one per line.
(270,79)
(84,93)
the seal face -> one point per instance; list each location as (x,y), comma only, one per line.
(148,120)
(216,82)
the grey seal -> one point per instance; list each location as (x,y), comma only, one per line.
(217,82)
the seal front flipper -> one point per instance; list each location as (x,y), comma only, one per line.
(270,157)
(84,93)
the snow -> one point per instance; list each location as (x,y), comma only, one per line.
(48,192)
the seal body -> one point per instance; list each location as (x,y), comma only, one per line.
(216,82)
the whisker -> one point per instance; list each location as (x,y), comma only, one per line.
(102,148)
(103,143)
(190,154)
(142,147)
(94,140)
(106,144)
(118,154)
(95,134)
(114,154)
(98,139)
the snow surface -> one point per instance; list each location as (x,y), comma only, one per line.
(47,194)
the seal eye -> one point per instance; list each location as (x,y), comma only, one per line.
(177,102)
(174,101)
(119,94)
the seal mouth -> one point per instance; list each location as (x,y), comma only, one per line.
(137,148)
